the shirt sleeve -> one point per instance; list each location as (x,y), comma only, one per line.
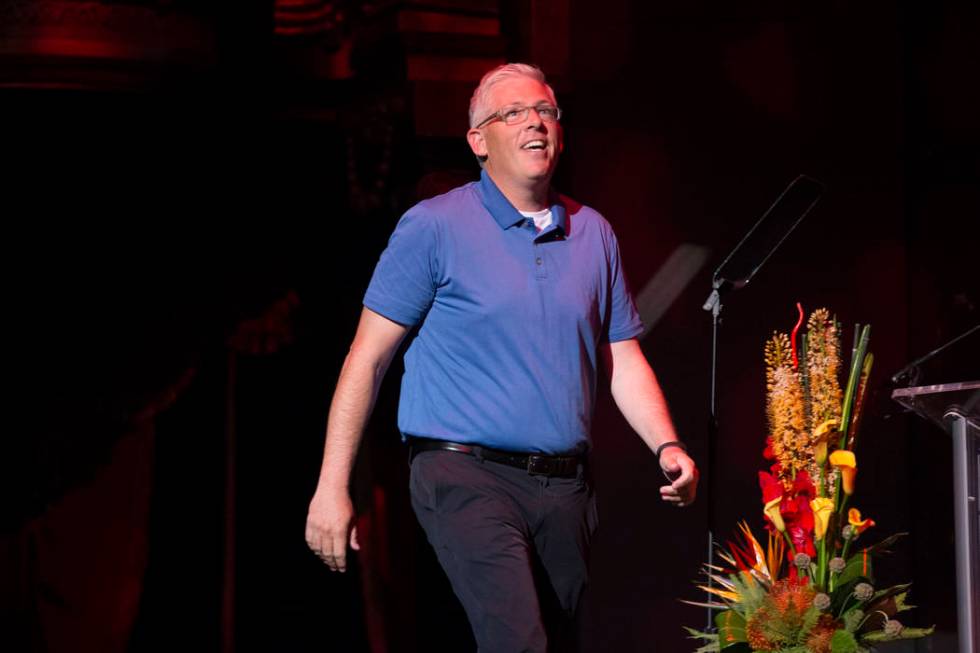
(624,320)
(404,281)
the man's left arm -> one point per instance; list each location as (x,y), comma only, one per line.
(639,398)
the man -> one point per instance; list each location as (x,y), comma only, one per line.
(518,290)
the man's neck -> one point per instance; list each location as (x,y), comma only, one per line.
(524,198)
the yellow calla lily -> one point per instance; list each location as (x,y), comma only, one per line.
(847,464)
(854,519)
(820,452)
(771,510)
(822,508)
(822,434)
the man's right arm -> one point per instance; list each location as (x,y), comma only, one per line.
(330,521)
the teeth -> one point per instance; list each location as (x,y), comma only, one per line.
(533,145)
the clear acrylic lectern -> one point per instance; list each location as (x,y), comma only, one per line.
(955,407)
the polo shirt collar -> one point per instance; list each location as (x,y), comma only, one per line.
(506,215)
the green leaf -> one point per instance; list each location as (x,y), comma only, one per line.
(885,599)
(853,618)
(857,566)
(752,593)
(710,638)
(880,607)
(900,604)
(907,633)
(708,648)
(738,647)
(842,598)
(700,634)
(810,619)
(731,629)
(882,546)
(916,633)
(843,642)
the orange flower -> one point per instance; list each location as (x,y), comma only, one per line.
(822,508)
(854,519)
(847,464)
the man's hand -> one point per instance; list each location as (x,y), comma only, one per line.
(683,475)
(330,521)
(638,396)
(329,525)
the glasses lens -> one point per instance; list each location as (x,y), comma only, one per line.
(514,115)
(548,113)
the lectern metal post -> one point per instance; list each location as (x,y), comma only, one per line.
(966,470)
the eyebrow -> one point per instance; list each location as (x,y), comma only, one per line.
(517,105)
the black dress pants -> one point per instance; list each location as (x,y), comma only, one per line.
(514,546)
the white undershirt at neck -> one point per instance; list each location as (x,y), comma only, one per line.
(542,218)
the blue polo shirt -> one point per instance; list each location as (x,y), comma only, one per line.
(506,355)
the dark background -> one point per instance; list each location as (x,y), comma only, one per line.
(174,170)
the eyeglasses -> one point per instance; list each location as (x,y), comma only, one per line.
(518,114)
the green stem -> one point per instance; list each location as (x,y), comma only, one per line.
(802,570)
(792,549)
(821,562)
(857,364)
(844,607)
(838,491)
(826,563)
(833,580)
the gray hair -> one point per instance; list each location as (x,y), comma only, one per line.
(479,103)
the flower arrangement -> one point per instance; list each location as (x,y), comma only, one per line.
(811,590)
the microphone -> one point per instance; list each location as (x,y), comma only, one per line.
(912,372)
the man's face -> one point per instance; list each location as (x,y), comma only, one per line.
(524,154)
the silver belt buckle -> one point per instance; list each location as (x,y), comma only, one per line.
(539,465)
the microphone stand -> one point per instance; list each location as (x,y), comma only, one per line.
(734,273)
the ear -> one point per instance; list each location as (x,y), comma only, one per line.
(477,143)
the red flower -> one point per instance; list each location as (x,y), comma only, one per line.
(768,453)
(804,484)
(771,487)
(802,540)
(794,508)
(799,520)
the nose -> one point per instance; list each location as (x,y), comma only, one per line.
(534,120)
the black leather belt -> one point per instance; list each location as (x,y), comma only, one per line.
(532,463)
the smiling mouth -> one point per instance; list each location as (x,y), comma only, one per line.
(536,145)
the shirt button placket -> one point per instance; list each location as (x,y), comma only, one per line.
(540,269)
